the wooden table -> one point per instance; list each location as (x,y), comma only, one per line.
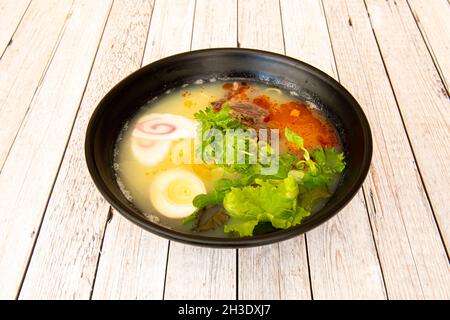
(60,239)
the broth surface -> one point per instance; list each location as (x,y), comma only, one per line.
(137,177)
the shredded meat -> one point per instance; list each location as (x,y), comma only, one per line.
(249,114)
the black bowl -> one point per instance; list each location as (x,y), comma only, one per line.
(124,100)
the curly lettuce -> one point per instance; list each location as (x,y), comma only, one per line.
(283,199)
(273,201)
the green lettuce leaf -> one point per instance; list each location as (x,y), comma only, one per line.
(320,167)
(271,200)
(244,227)
(297,140)
(311,198)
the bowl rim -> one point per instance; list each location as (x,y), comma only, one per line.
(258,240)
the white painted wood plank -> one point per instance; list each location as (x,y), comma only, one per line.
(410,250)
(133,263)
(24,62)
(422,98)
(306,34)
(433,19)
(342,256)
(215,24)
(200,273)
(168,34)
(30,169)
(11,11)
(194,272)
(277,271)
(66,253)
(170,30)
(259,25)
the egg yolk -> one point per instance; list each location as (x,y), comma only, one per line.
(180,192)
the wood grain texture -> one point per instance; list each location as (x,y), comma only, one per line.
(200,273)
(192,272)
(393,57)
(277,271)
(24,63)
(168,34)
(11,12)
(411,253)
(277,277)
(215,24)
(65,258)
(259,25)
(426,113)
(433,19)
(342,257)
(306,34)
(40,143)
(135,273)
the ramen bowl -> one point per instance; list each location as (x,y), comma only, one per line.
(300,79)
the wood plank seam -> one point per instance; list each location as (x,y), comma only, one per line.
(154,50)
(237,272)
(108,219)
(41,78)
(48,63)
(309,268)
(208,285)
(15,29)
(169,241)
(362,187)
(68,138)
(430,48)
(110,213)
(304,235)
(165,273)
(282,27)
(169,245)
(416,163)
(375,244)
(416,250)
(271,281)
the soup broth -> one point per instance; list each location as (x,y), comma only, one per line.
(163,189)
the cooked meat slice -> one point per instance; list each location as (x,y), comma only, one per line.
(249,114)
(217,105)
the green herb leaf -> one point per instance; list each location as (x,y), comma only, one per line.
(220,119)
(297,140)
(270,200)
(329,160)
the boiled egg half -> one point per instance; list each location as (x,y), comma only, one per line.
(149,152)
(172,192)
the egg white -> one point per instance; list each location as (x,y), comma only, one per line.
(150,152)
